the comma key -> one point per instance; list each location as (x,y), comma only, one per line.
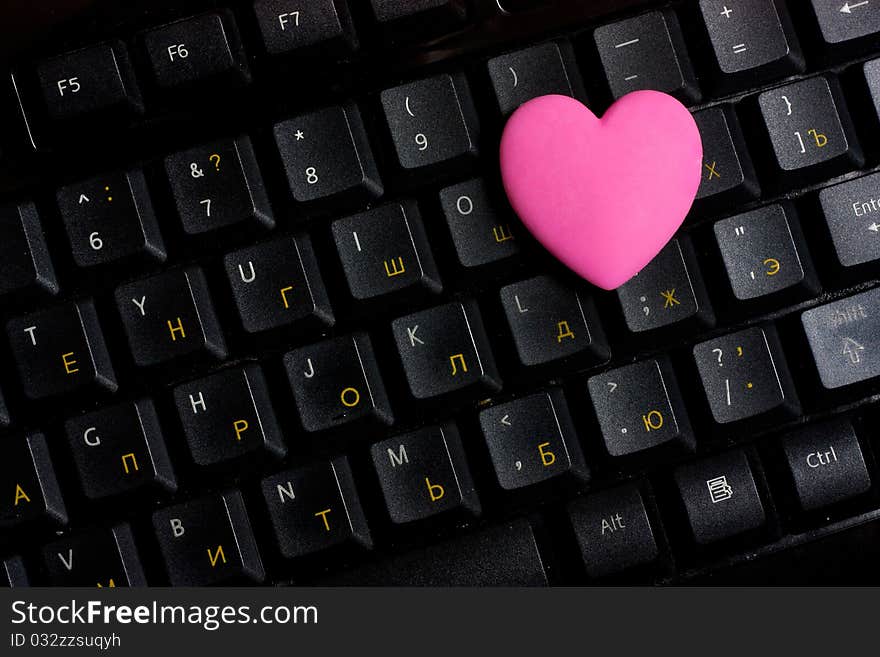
(844,337)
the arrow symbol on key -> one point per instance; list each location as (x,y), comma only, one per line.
(83,199)
(506,420)
(847,7)
(875,227)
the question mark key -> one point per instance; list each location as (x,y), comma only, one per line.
(744,375)
(229,189)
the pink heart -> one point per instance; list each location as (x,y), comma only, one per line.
(602,195)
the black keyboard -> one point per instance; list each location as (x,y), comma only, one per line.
(267,318)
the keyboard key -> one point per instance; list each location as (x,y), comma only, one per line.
(755,37)
(547,68)
(13,573)
(61,350)
(744,375)
(217,185)
(195,51)
(278,284)
(728,172)
(4,412)
(872,77)
(337,382)
(110,218)
(26,471)
(321,25)
(327,157)
(764,252)
(120,449)
(207,541)
(514,6)
(424,473)
(228,415)
(848,21)
(669,291)
(720,497)
(24,258)
(646,52)
(613,531)
(479,234)
(445,350)
(500,556)
(315,507)
(826,464)
(432,122)
(844,338)
(639,406)
(412,20)
(102,558)
(532,439)
(169,316)
(92,81)
(810,128)
(385,252)
(852,212)
(550,321)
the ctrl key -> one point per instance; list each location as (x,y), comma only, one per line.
(613,531)
(826,464)
(844,338)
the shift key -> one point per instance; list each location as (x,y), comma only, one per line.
(844,337)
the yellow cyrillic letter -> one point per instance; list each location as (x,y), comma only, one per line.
(460,359)
(323,515)
(20,495)
(548,458)
(134,463)
(435,491)
(174,329)
(69,363)
(564,332)
(240,427)
(218,554)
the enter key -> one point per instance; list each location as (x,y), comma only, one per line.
(844,337)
